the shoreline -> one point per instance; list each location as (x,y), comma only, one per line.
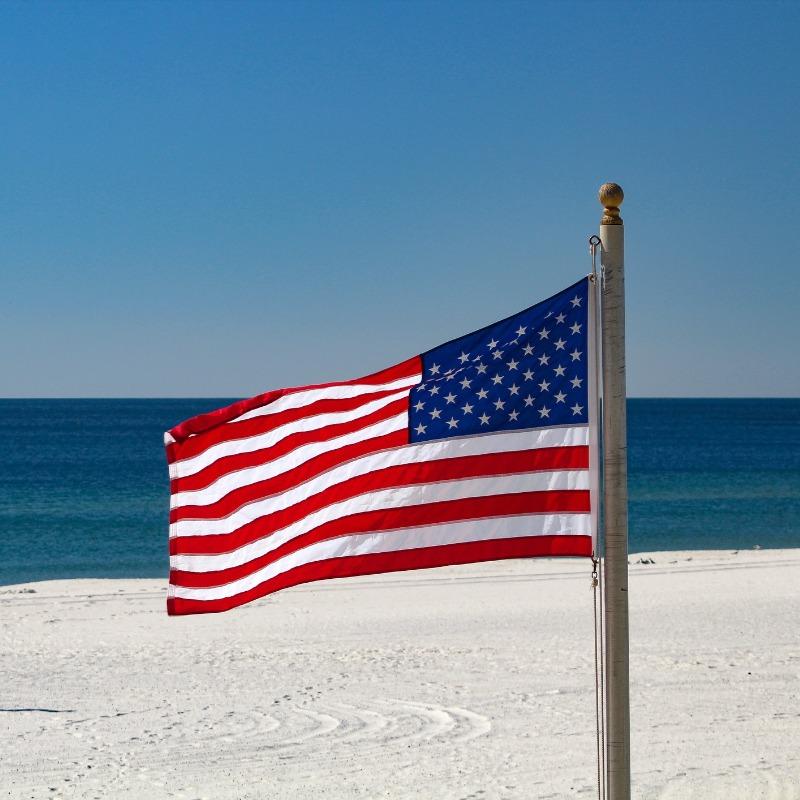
(634,559)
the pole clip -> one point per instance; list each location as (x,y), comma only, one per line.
(594,243)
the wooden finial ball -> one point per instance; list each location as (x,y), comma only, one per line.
(611,194)
(611,197)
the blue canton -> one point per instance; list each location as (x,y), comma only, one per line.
(528,371)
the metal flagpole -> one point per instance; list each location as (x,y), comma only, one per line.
(615,494)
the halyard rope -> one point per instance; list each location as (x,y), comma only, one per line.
(602,579)
(599,687)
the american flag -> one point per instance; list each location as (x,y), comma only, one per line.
(481,449)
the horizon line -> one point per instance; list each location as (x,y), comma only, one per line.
(239,397)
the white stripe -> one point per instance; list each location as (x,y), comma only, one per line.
(457,447)
(404,539)
(338,392)
(193,464)
(395,497)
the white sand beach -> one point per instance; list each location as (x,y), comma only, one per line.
(466,682)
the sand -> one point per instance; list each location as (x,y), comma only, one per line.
(466,682)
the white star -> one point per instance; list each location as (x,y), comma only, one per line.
(544,333)
(419,405)
(528,374)
(513,416)
(452,423)
(484,418)
(421,428)
(513,364)
(560,397)
(576,409)
(528,350)
(450,398)
(544,412)
(463,357)
(482,394)
(499,405)
(466,383)
(521,330)
(576,354)
(576,302)
(544,360)
(434,390)
(576,328)
(435,414)
(544,386)
(497,353)
(560,318)
(482,368)
(559,370)
(560,344)
(514,341)
(449,373)
(497,379)
(528,401)
(576,382)
(466,408)
(514,389)
(493,343)
(435,369)
(422,387)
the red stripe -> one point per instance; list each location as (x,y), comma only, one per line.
(472,508)
(205,422)
(399,475)
(226,464)
(492,550)
(246,428)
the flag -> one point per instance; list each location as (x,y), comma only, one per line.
(481,449)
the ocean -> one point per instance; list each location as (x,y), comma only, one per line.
(84,487)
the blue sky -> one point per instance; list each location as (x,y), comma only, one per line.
(215,199)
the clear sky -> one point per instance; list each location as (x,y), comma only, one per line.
(215,199)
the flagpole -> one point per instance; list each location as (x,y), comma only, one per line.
(615,494)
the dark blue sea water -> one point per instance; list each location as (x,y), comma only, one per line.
(84,490)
